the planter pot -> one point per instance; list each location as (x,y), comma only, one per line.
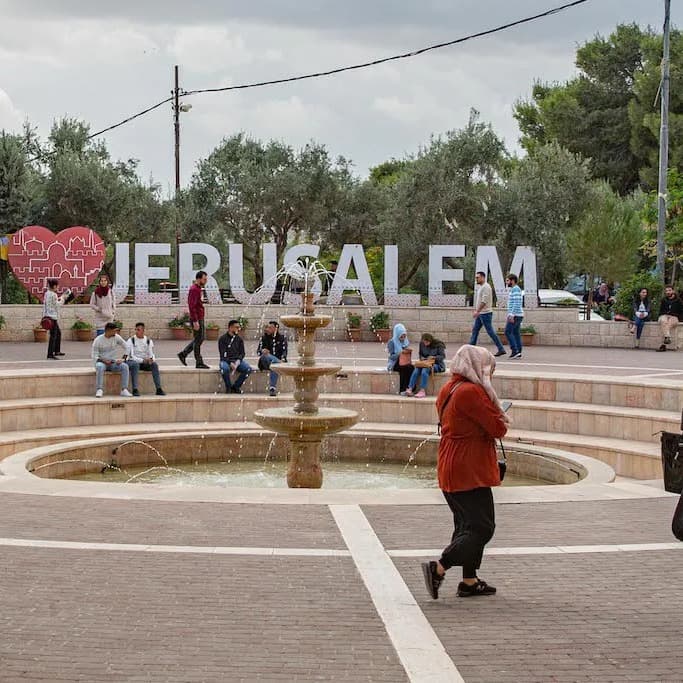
(181,333)
(383,335)
(39,335)
(354,334)
(212,334)
(82,335)
(527,339)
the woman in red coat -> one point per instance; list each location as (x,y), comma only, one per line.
(471,419)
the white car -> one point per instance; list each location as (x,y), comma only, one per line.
(553,297)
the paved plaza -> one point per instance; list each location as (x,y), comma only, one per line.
(104,588)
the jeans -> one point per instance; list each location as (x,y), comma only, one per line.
(195,345)
(513,335)
(264,363)
(474,519)
(243,371)
(54,344)
(423,375)
(101,368)
(639,323)
(136,367)
(485,320)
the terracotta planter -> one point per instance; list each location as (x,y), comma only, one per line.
(212,333)
(83,335)
(354,334)
(181,333)
(39,335)
(383,335)
(527,339)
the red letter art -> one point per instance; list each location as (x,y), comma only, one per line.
(75,256)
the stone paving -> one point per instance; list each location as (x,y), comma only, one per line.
(103,589)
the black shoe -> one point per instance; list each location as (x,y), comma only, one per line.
(181,358)
(479,588)
(500,353)
(667,340)
(235,390)
(160,392)
(662,348)
(202,366)
(513,354)
(59,353)
(136,392)
(432,579)
(272,391)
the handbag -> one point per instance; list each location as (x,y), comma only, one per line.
(404,358)
(502,464)
(429,363)
(46,322)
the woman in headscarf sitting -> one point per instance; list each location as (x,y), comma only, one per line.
(471,419)
(399,351)
(432,359)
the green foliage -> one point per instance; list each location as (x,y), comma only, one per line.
(80,324)
(180,320)
(119,324)
(623,304)
(527,329)
(605,241)
(353,321)
(212,326)
(2,322)
(244,322)
(379,321)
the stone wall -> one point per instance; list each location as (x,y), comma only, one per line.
(554,326)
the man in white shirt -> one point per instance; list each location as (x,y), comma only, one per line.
(483,313)
(141,357)
(109,352)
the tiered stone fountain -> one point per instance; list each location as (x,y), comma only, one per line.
(305,424)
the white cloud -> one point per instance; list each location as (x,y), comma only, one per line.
(209,49)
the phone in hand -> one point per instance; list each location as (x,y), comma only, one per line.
(506,405)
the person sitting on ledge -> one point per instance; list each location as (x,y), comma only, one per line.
(432,355)
(109,353)
(231,354)
(670,311)
(272,349)
(141,357)
(641,314)
(399,352)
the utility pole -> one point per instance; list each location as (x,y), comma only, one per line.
(663,145)
(176,127)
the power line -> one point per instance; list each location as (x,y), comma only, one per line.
(383,60)
(352,67)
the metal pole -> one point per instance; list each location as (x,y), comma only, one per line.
(176,126)
(663,147)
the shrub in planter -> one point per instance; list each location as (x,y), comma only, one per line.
(180,326)
(82,329)
(212,331)
(39,335)
(379,323)
(353,322)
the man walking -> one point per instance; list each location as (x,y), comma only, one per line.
(109,352)
(231,354)
(272,349)
(483,313)
(670,311)
(514,317)
(141,357)
(196,308)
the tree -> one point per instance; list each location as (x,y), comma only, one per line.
(544,195)
(606,239)
(592,114)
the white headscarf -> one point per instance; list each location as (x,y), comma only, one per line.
(476,364)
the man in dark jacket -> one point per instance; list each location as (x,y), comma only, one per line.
(272,349)
(231,355)
(195,306)
(670,312)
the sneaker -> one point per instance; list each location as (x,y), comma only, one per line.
(99,393)
(60,353)
(136,392)
(202,366)
(160,392)
(432,579)
(408,392)
(500,353)
(235,390)
(402,393)
(662,348)
(125,393)
(181,358)
(513,354)
(479,588)
(518,356)
(420,394)
(52,358)
(272,391)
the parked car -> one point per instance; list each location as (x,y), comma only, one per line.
(562,297)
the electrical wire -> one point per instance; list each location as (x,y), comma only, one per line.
(130,118)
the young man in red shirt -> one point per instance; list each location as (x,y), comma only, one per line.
(196,308)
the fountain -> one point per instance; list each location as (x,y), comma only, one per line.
(305,424)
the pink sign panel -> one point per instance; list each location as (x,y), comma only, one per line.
(75,256)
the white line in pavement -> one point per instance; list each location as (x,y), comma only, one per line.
(552,549)
(421,652)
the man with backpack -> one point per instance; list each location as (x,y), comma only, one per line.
(141,357)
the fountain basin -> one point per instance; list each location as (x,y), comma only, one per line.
(306,427)
(305,372)
(306,322)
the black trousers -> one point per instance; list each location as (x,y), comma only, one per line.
(404,373)
(474,519)
(196,343)
(54,343)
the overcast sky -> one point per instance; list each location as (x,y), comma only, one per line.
(104,61)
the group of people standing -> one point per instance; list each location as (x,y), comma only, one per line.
(670,313)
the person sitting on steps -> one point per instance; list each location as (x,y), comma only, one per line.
(670,312)
(109,353)
(272,349)
(231,354)
(432,351)
(141,357)
(641,314)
